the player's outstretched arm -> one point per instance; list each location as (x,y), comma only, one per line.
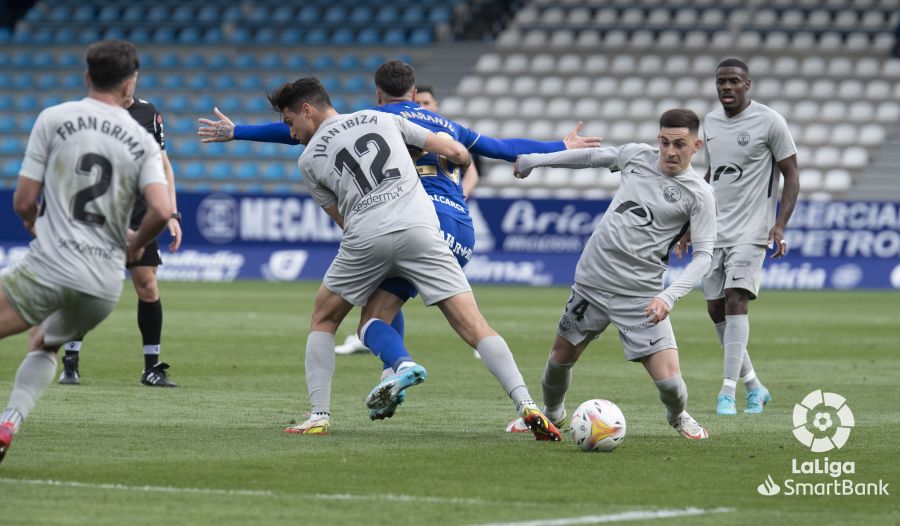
(582,158)
(224,130)
(509,149)
(25,201)
(791,173)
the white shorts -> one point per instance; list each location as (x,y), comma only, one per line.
(420,255)
(63,313)
(589,312)
(737,267)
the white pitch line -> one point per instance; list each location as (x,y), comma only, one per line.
(250,493)
(615,517)
(151,489)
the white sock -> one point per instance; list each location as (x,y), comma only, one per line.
(32,379)
(319,366)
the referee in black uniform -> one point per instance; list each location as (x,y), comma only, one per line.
(143,271)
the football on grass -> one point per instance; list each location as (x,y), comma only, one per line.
(598,425)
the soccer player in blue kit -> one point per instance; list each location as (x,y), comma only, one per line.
(395,93)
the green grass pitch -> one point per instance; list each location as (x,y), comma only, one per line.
(212,451)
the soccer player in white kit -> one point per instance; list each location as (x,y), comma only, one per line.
(747,144)
(358,169)
(619,277)
(88,159)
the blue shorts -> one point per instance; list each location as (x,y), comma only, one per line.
(461,239)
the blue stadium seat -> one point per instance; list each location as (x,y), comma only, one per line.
(256,104)
(230,104)
(168,60)
(186,148)
(266,35)
(439,15)
(133,14)
(270,61)
(114,33)
(343,37)
(240,35)
(214,150)
(357,83)
(176,103)
(413,15)
(208,14)
(232,14)
(268,149)
(368,37)
(348,62)
(250,82)
(172,81)
(23,81)
(164,35)
(308,15)
(192,171)
(246,171)
(296,61)
(361,15)
(139,35)
(84,13)
(202,187)
(394,37)
(220,170)
(68,60)
(42,36)
(4,59)
(183,13)
(75,80)
(148,80)
(157,13)
(316,37)
(21,37)
(8,124)
(50,100)
(6,102)
(220,60)
(254,188)
(58,14)
(273,172)
(420,37)
(189,36)
(26,123)
(12,145)
(11,168)
(199,81)
(21,60)
(258,14)
(330,82)
(213,36)
(290,36)
(43,59)
(335,15)
(282,189)
(241,149)
(361,103)
(184,126)
(245,60)
(323,63)
(224,81)
(229,188)
(373,61)
(387,16)
(108,14)
(46,81)
(88,36)
(5,80)
(340,104)
(194,60)
(65,35)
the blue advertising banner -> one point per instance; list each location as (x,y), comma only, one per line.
(834,244)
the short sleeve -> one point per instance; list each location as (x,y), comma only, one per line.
(413,134)
(703,218)
(780,141)
(323,196)
(38,150)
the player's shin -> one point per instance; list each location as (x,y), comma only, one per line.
(737,333)
(385,343)
(673,394)
(555,383)
(32,379)
(499,360)
(319,370)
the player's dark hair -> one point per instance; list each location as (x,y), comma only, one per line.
(734,63)
(426,88)
(395,78)
(109,62)
(680,118)
(306,90)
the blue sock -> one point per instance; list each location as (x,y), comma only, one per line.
(398,323)
(385,343)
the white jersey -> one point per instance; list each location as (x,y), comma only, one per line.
(629,250)
(360,162)
(92,158)
(742,153)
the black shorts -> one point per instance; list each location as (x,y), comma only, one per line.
(150,258)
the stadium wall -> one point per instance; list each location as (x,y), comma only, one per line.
(834,244)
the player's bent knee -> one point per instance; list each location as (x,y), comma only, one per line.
(716,310)
(736,301)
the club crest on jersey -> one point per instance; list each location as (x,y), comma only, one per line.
(743,138)
(672,194)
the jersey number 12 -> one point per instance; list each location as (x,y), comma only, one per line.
(345,159)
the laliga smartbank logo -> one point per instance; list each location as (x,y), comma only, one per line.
(822,422)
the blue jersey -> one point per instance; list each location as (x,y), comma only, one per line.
(441,178)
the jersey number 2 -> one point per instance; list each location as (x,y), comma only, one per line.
(85,166)
(345,159)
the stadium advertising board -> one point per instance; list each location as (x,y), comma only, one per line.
(833,245)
